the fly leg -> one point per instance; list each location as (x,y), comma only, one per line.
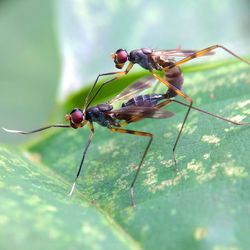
(136,133)
(83,157)
(204,52)
(187,98)
(119,75)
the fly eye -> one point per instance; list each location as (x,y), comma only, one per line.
(121,56)
(76,116)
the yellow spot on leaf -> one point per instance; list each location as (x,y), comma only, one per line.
(34,157)
(200,233)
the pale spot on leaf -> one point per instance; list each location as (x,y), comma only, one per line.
(206,156)
(109,147)
(229,129)
(167,163)
(211,139)
(115,153)
(121,184)
(204,176)
(195,166)
(235,171)
(243,103)
(238,118)
(151,177)
(182,174)
(167,135)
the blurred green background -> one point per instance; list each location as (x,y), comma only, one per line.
(49,49)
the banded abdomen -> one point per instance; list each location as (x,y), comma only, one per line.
(173,73)
(144,100)
(174,77)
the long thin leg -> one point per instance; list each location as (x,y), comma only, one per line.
(162,104)
(121,73)
(180,93)
(83,157)
(212,114)
(137,133)
(206,51)
(36,130)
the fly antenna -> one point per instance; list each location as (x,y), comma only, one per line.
(36,130)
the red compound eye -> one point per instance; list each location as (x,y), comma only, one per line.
(121,56)
(76,116)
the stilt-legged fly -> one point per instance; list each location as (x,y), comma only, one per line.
(163,61)
(134,108)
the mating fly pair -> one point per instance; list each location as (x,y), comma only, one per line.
(136,107)
(161,61)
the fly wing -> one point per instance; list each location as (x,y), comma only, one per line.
(170,54)
(134,89)
(127,113)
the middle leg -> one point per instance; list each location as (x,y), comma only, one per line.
(136,133)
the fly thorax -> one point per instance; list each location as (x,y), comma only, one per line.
(141,57)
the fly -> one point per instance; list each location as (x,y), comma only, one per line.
(160,61)
(134,108)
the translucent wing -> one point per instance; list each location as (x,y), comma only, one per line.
(134,89)
(168,54)
(127,113)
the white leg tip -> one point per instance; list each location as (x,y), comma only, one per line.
(11,130)
(72,189)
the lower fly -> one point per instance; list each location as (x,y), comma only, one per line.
(135,107)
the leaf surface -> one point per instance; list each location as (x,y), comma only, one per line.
(203,205)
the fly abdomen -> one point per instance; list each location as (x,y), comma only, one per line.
(174,77)
(144,100)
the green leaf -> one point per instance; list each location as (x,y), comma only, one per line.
(205,205)
(36,213)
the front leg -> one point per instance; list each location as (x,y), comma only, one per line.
(83,157)
(120,74)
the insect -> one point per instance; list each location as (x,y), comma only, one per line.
(134,107)
(161,61)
